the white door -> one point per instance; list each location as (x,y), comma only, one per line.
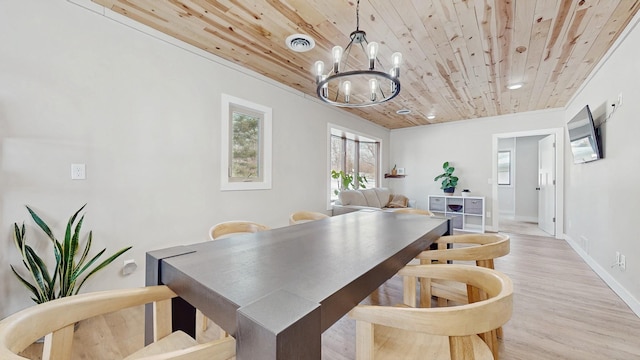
(547,184)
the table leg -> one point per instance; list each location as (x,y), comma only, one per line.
(182,313)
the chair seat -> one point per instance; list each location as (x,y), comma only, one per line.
(175,341)
(390,342)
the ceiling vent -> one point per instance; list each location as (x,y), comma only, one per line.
(300,42)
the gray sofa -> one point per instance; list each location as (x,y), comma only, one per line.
(371,199)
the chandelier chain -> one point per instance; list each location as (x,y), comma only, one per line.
(358,15)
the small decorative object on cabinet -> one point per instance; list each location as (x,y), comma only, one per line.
(466,212)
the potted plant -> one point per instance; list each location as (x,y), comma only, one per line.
(449,181)
(70,272)
(346,181)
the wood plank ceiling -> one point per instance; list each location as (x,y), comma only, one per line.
(459,55)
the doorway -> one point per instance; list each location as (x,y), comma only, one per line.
(528,189)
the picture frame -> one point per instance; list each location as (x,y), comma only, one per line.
(400,171)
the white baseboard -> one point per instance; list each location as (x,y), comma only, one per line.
(533,219)
(633,303)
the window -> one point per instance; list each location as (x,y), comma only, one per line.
(246,145)
(504,167)
(353,154)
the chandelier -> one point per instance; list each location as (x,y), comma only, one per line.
(352,87)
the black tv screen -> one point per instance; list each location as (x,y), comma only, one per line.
(584,137)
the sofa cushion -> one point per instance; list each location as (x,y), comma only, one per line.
(372,198)
(352,197)
(384,196)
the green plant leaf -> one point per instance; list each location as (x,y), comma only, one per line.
(41,224)
(28,285)
(37,273)
(445,165)
(100,266)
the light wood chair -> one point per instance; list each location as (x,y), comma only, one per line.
(413,211)
(408,332)
(224,230)
(56,319)
(305,216)
(230,228)
(479,248)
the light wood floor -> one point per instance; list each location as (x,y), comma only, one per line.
(562,310)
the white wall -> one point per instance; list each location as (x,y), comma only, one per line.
(466,144)
(601,215)
(144,116)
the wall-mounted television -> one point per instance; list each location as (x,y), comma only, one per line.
(584,137)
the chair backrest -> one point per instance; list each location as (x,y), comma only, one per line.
(225,229)
(414,211)
(56,319)
(484,247)
(456,322)
(304,216)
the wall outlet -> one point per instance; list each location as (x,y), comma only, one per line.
(623,262)
(618,258)
(78,172)
(619,100)
(585,243)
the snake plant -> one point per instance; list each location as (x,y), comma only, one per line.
(70,271)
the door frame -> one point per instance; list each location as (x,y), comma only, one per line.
(559,205)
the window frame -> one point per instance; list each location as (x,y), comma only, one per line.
(336,131)
(228,105)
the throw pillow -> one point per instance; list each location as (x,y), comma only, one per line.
(398,201)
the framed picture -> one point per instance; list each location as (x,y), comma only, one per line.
(400,171)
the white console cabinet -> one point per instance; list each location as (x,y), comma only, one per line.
(466,212)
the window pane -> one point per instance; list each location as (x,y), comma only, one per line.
(504,167)
(351,157)
(357,157)
(337,156)
(246,139)
(368,162)
(245,147)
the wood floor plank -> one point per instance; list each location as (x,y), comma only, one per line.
(562,310)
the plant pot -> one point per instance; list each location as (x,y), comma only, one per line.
(449,191)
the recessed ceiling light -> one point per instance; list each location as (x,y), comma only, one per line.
(300,42)
(514,86)
(403,112)
(431,116)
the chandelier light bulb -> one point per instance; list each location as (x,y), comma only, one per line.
(396,59)
(319,66)
(373,86)
(372,52)
(347,90)
(337,56)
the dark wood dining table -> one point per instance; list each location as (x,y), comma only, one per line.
(276,291)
